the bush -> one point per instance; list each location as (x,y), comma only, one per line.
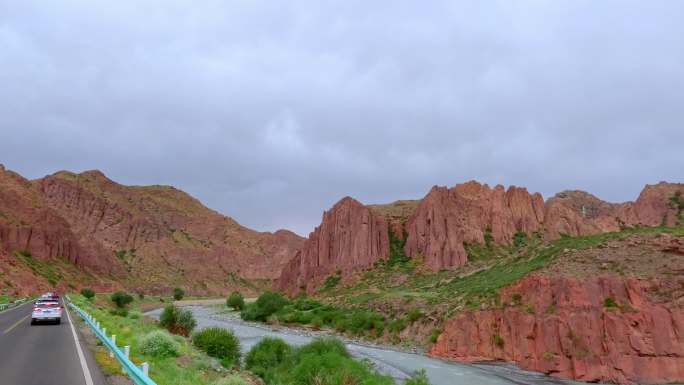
(219,343)
(418,378)
(414,315)
(397,325)
(236,301)
(324,345)
(177,321)
(119,311)
(231,380)
(87,293)
(610,303)
(267,354)
(324,361)
(434,335)
(498,341)
(265,306)
(121,299)
(159,344)
(178,294)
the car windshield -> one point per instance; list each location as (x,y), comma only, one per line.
(48,304)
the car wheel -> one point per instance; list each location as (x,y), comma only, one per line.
(59,321)
(33,322)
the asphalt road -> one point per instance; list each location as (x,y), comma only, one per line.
(44,354)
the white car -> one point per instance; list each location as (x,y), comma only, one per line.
(46,311)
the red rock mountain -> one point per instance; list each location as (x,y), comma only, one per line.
(437,226)
(351,236)
(151,237)
(566,330)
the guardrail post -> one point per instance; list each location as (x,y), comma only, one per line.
(111,353)
(145,369)
(127,351)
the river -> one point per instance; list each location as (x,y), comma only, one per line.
(398,364)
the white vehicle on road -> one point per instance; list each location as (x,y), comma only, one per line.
(46,311)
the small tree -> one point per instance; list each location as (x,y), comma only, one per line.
(121,299)
(178,294)
(87,293)
(236,301)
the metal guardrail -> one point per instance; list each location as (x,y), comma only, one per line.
(139,375)
(5,306)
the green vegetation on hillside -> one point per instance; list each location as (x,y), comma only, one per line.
(490,268)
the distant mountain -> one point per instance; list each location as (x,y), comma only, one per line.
(69,230)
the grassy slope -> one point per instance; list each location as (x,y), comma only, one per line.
(191,368)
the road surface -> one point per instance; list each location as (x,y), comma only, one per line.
(43,354)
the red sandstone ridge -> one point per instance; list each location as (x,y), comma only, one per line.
(446,218)
(350,237)
(148,236)
(438,226)
(561,326)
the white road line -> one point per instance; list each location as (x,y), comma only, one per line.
(81,357)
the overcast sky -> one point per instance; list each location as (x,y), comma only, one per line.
(270,111)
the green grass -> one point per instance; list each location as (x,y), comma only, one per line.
(191,368)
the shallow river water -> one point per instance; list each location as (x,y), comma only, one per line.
(395,363)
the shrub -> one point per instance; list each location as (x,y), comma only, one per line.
(610,303)
(268,353)
(177,321)
(159,344)
(303,304)
(119,311)
(498,341)
(434,335)
(397,325)
(418,378)
(178,293)
(121,299)
(231,380)
(87,293)
(236,301)
(265,306)
(134,315)
(414,315)
(331,282)
(141,296)
(320,346)
(219,343)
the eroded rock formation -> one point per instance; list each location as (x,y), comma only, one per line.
(605,328)
(349,237)
(153,236)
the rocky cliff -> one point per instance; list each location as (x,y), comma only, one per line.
(144,237)
(469,212)
(472,212)
(438,227)
(601,329)
(350,237)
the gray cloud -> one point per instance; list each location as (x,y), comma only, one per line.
(271,111)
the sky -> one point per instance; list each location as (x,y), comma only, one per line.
(270,111)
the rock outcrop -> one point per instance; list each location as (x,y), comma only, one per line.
(350,237)
(446,218)
(449,217)
(605,328)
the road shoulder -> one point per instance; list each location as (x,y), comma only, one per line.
(89,345)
